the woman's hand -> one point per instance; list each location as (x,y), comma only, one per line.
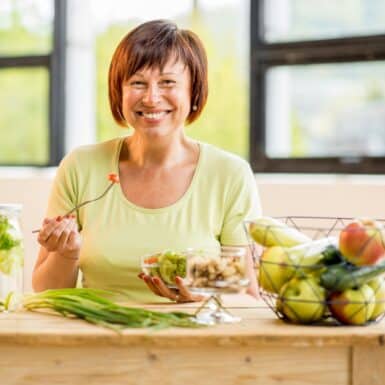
(61,235)
(158,287)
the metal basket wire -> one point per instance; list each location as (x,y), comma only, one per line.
(325,306)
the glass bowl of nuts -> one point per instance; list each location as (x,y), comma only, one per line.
(210,272)
(215,273)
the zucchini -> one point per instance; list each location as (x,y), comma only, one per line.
(344,275)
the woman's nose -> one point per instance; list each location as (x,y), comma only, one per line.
(151,95)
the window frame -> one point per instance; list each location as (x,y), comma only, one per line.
(264,55)
(54,63)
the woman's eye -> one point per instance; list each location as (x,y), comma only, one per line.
(137,83)
(168,82)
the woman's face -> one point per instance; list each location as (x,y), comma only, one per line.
(157,103)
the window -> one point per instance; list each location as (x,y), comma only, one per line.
(317,86)
(32,36)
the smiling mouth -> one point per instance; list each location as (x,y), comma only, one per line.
(153,115)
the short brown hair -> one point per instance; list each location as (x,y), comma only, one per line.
(152,44)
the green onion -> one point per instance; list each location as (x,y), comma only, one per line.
(92,306)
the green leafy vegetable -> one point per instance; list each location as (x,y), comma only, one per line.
(7,241)
(11,260)
(171,265)
(92,306)
(11,253)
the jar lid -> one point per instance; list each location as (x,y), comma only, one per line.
(11,207)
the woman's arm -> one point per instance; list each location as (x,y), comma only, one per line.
(251,273)
(57,263)
(53,271)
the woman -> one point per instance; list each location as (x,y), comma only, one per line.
(174,192)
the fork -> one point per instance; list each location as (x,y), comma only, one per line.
(112,177)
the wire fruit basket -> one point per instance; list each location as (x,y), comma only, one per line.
(320,270)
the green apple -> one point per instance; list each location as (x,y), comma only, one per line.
(302,300)
(353,306)
(378,286)
(275,269)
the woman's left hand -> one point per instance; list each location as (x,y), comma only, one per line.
(180,295)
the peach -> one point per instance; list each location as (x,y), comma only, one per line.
(362,242)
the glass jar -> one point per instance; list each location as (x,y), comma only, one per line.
(215,273)
(11,252)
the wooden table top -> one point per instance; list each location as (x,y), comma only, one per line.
(259,326)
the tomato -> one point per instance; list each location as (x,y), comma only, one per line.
(151,260)
(113,177)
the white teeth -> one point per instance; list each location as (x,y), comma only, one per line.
(156,115)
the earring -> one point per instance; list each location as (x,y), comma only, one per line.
(194,107)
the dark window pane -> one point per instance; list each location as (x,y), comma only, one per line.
(26,27)
(288,20)
(326,110)
(24,116)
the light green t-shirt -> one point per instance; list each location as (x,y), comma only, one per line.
(116,233)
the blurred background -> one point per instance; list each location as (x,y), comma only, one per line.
(297,87)
(93,30)
(315,89)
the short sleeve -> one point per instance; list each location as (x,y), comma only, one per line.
(63,196)
(243,203)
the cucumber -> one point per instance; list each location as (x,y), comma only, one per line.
(344,275)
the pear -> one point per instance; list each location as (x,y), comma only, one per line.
(275,269)
(378,286)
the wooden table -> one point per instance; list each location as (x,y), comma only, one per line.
(44,349)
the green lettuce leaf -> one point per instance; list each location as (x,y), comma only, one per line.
(11,252)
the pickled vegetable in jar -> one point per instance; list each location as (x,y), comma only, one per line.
(11,251)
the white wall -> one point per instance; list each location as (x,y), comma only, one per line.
(342,196)
(32,192)
(280,195)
